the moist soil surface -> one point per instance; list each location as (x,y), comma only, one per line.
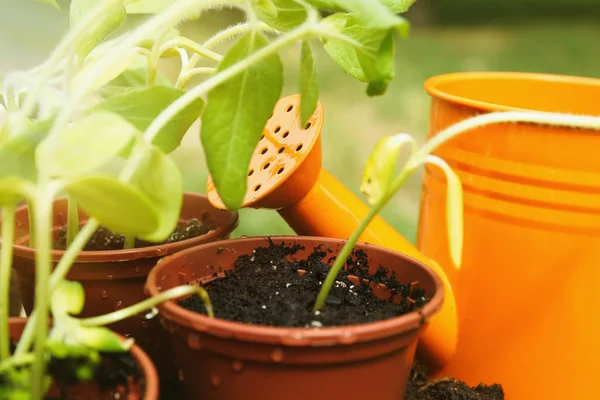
(421,388)
(104,239)
(118,373)
(266,288)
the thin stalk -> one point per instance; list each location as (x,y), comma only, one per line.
(31,218)
(192,46)
(6,254)
(61,270)
(347,249)
(129,242)
(72,221)
(185,77)
(147,304)
(234,31)
(43,238)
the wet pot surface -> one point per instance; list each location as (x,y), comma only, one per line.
(305,355)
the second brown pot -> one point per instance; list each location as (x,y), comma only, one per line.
(115,279)
(223,360)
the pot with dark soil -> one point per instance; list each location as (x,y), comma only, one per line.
(130,375)
(266,342)
(113,277)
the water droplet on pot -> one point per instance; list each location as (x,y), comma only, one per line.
(144,324)
(215,380)
(243,236)
(180,375)
(160,251)
(237,366)
(152,313)
(127,334)
(194,341)
(109,277)
(277,355)
(254,199)
(117,305)
(162,278)
(104,294)
(19,223)
(137,269)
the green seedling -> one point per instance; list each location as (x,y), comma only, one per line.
(100,96)
(381,180)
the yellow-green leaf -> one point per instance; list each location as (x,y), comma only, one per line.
(122,208)
(282,15)
(68,298)
(88,78)
(380,168)
(454,208)
(109,21)
(101,339)
(159,178)
(84,146)
(53,3)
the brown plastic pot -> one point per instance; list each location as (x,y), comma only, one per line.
(115,279)
(90,390)
(230,360)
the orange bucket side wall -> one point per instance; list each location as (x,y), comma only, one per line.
(527,292)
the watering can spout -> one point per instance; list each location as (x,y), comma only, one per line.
(285,174)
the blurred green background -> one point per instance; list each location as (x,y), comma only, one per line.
(552,36)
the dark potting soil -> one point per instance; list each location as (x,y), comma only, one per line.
(104,239)
(117,372)
(422,388)
(265,288)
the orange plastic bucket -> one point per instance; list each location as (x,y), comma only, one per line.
(528,291)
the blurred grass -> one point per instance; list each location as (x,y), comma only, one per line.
(353,122)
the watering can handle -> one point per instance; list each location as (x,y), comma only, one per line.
(340,216)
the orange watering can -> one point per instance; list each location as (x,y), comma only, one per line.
(285,174)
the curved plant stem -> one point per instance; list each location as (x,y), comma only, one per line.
(185,77)
(43,238)
(6,254)
(192,46)
(234,31)
(72,221)
(147,304)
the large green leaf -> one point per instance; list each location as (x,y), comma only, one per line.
(373,62)
(110,20)
(309,85)
(141,106)
(235,116)
(117,206)
(84,146)
(159,178)
(282,15)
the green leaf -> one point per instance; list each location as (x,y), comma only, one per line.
(68,298)
(454,208)
(110,20)
(398,6)
(141,106)
(84,146)
(53,3)
(159,178)
(101,339)
(119,207)
(380,168)
(11,191)
(379,69)
(134,77)
(282,15)
(309,85)
(235,116)
(373,61)
(18,153)
(92,83)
